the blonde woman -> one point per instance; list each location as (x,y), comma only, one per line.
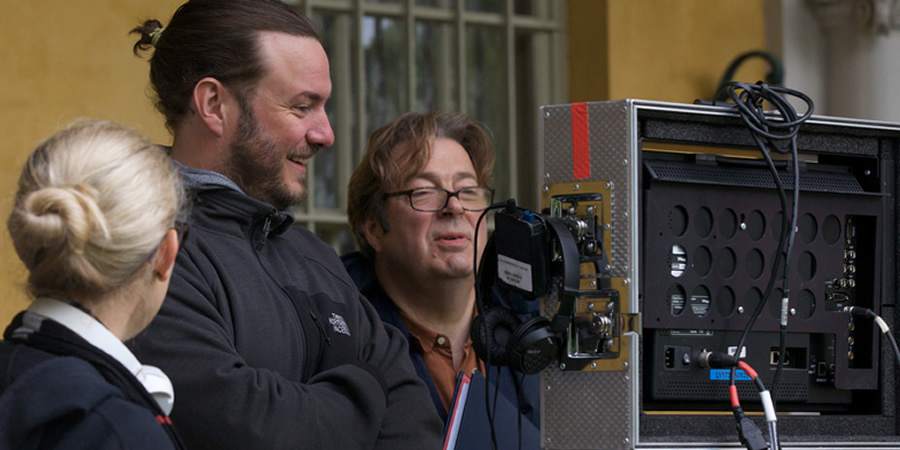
(96,222)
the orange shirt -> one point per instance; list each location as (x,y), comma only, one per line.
(437,354)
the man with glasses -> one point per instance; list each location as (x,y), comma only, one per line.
(413,205)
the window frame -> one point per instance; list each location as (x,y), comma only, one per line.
(541,34)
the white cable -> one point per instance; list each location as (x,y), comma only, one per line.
(881,324)
(768,406)
(784,311)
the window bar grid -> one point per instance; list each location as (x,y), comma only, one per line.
(410,56)
(343,114)
(512,113)
(445,92)
(548,68)
(309,212)
(460,58)
(360,81)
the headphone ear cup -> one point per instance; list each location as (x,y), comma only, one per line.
(491,334)
(533,346)
(479,337)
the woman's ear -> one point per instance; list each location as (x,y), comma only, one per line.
(164,261)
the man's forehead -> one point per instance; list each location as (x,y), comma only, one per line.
(461,173)
(435,174)
(294,56)
(284,41)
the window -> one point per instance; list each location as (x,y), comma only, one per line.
(495,60)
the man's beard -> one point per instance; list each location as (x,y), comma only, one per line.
(256,165)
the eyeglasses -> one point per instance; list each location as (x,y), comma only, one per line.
(431,199)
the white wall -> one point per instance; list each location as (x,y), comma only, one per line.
(832,54)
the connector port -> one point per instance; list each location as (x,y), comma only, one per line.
(774,355)
(678,358)
(794,357)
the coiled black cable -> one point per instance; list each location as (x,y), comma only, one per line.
(778,133)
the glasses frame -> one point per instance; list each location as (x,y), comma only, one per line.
(409,192)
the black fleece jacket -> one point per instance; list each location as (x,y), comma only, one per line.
(59,391)
(268,343)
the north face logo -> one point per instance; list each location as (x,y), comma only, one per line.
(338,323)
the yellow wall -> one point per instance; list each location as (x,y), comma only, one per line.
(667,50)
(61,60)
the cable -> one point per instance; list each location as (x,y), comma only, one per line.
(767,132)
(748,432)
(479,304)
(774,77)
(519,393)
(768,406)
(885,329)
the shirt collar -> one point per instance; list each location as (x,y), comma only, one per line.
(89,328)
(427,338)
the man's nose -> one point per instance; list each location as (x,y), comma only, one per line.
(320,133)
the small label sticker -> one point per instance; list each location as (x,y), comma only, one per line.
(733,349)
(514,273)
(725,374)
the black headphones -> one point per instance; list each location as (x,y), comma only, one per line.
(499,337)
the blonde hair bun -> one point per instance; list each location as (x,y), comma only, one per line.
(93,203)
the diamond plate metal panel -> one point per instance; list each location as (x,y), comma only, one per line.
(590,410)
(611,156)
(557,143)
(613,152)
(586,410)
